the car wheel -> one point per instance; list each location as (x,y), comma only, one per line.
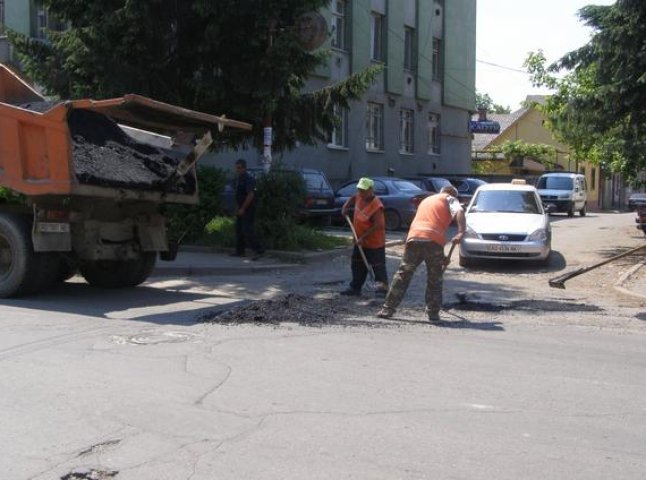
(392,219)
(465,262)
(570,210)
(582,211)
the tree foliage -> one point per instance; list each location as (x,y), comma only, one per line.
(483,100)
(241,58)
(598,108)
(513,149)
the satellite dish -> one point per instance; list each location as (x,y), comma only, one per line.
(311,29)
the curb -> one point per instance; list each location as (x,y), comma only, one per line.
(292,260)
(625,276)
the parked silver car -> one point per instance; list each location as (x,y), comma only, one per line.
(506,221)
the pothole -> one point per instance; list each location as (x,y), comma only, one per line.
(90,474)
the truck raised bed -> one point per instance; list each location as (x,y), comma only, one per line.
(92,177)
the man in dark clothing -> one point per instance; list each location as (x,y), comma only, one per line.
(245,194)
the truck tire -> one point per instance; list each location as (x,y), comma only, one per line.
(118,273)
(20,266)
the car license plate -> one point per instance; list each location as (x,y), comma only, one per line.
(502,248)
(321,202)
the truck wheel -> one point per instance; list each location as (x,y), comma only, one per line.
(19,264)
(118,273)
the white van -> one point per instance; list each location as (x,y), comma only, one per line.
(563,192)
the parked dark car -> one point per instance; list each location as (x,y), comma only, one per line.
(317,204)
(635,200)
(430,184)
(400,198)
(466,188)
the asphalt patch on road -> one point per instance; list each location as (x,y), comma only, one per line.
(466,304)
(90,474)
(302,310)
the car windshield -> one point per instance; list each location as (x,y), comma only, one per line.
(505,201)
(406,186)
(316,181)
(554,183)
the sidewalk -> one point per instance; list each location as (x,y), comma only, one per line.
(195,260)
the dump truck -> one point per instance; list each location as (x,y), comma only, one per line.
(92,178)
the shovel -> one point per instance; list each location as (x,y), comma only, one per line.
(370,284)
(447,259)
(559,282)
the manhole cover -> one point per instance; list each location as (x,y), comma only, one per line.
(154,338)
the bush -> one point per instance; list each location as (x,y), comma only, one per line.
(221,232)
(9,196)
(280,195)
(187,223)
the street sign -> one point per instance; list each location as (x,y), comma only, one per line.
(484,126)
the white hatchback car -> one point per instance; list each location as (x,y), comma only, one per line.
(506,221)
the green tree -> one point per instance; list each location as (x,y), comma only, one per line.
(598,108)
(241,58)
(483,100)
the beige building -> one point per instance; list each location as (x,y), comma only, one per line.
(527,125)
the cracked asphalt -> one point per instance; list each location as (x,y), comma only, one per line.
(274,376)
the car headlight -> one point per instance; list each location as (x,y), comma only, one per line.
(470,233)
(539,235)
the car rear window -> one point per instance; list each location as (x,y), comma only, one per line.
(316,181)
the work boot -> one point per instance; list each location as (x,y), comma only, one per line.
(351,292)
(386,312)
(433,317)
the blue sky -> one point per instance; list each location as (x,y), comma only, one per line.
(508,30)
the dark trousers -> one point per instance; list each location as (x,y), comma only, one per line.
(415,253)
(376,258)
(246,234)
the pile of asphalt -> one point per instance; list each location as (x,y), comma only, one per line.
(104,155)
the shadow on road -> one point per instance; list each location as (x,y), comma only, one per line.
(145,304)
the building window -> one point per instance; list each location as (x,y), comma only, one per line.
(338,24)
(375,126)
(434,134)
(406,131)
(47,21)
(339,136)
(377,37)
(437,59)
(409,48)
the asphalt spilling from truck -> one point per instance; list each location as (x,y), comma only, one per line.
(104,155)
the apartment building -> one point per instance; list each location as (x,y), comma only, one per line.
(415,117)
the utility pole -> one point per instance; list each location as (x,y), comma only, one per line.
(312,32)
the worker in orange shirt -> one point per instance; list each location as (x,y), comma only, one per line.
(369,224)
(425,243)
